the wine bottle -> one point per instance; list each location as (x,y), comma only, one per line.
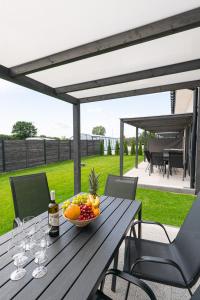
(53,216)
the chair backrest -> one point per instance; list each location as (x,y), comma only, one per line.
(187,241)
(176,159)
(121,187)
(30,194)
(157,158)
(147,155)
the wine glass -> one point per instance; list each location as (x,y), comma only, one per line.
(29,227)
(17,252)
(38,250)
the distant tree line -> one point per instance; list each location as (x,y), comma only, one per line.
(126,148)
(22,130)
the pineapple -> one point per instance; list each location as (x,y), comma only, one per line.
(93,183)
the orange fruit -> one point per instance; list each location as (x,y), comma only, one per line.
(72,212)
(96,211)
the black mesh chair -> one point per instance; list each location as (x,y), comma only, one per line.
(175,263)
(158,161)
(175,161)
(148,157)
(129,278)
(30,195)
(121,187)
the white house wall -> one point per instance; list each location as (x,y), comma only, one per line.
(184,102)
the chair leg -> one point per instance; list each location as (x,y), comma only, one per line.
(168,171)
(114,278)
(127,291)
(102,285)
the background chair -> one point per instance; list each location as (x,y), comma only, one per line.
(30,195)
(129,278)
(175,161)
(148,157)
(121,187)
(158,161)
(177,263)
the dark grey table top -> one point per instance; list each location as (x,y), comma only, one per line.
(77,259)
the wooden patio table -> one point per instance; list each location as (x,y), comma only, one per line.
(77,259)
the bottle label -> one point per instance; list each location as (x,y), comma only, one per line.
(54,219)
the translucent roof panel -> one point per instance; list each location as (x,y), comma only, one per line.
(168,50)
(139,84)
(33,29)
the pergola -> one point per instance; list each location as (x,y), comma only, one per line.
(180,123)
(85,51)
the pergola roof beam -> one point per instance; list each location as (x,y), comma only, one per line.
(144,91)
(163,123)
(171,25)
(144,74)
(35,85)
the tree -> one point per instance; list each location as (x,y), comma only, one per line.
(102,147)
(5,137)
(149,135)
(99,130)
(23,130)
(132,147)
(125,147)
(109,150)
(117,148)
(140,151)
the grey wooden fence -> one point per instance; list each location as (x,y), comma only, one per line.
(16,155)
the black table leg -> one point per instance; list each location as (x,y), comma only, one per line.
(114,278)
(140,225)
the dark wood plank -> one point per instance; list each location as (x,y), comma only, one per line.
(100,262)
(64,226)
(59,259)
(171,25)
(67,277)
(61,247)
(144,91)
(139,75)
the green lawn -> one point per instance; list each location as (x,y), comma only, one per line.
(165,207)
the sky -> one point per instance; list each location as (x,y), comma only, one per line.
(53,117)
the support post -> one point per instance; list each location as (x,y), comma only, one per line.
(145,143)
(121,147)
(197,160)
(3,156)
(193,140)
(77,148)
(45,152)
(136,150)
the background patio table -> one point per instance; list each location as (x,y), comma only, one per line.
(77,259)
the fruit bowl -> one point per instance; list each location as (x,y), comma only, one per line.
(80,223)
(82,210)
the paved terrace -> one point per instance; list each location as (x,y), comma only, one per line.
(174,183)
(162,292)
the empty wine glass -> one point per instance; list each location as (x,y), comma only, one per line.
(38,250)
(45,232)
(29,227)
(17,252)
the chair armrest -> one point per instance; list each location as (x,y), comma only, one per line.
(16,222)
(160,260)
(153,223)
(131,279)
